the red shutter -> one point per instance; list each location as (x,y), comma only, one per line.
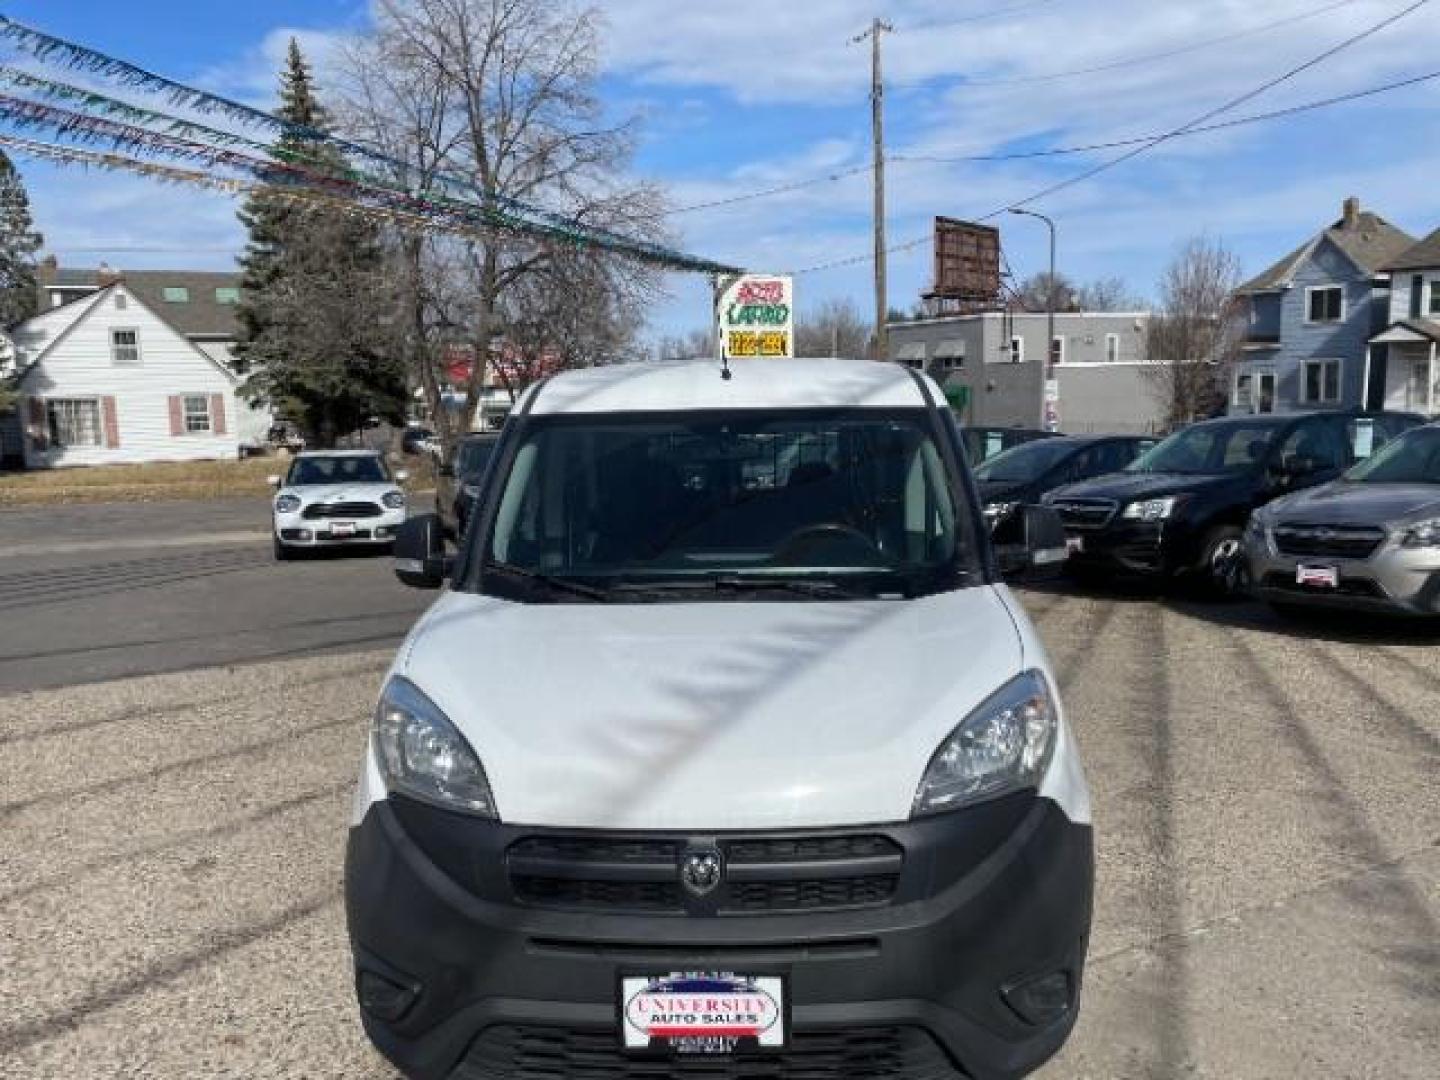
(177,416)
(217,413)
(39,427)
(112,422)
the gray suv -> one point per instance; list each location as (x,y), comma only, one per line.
(1370,540)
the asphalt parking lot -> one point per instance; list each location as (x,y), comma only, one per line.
(1268,832)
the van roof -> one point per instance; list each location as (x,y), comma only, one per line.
(690,385)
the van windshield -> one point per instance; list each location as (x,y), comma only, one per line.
(807,503)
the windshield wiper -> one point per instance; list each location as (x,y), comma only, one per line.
(739,584)
(549,581)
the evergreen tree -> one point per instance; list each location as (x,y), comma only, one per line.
(19,242)
(312,339)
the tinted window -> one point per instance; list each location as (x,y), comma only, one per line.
(472,457)
(1414,458)
(1026,462)
(359,469)
(1211,448)
(676,499)
(1318,441)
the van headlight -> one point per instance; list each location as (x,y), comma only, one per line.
(1423,534)
(1151,509)
(287,504)
(422,755)
(1004,745)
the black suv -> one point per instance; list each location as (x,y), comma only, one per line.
(1180,509)
(455,495)
(1025,474)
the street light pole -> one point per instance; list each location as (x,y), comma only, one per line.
(1051,382)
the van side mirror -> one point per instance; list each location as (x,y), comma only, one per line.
(1030,544)
(420,559)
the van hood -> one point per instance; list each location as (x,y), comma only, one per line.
(717,715)
(1343,503)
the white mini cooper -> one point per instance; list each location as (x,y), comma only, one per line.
(336,497)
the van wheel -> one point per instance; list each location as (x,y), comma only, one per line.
(1224,572)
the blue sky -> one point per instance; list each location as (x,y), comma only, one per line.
(752,94)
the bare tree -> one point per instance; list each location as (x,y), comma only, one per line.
(1108,294)
(834,328)
(1034,292)
(1194,339)
(689,346)
(494,101)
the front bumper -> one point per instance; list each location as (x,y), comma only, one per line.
(990,898)
(295,530)
(1132,548)
(1393,581)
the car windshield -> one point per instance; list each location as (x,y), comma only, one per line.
(1413,458)
(348,469)
(1208,449)
(472,456)
(809,502)
(1030,461)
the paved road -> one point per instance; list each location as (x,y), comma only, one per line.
(104,591)
(1268,842)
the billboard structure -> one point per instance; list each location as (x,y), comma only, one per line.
(967,267)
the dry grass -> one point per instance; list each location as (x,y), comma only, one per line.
(159,481)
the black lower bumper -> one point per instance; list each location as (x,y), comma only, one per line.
(1135,549)
(925,987)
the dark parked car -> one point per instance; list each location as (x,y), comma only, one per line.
(456,499)
(418,440)
(983,443)
(1024,474)
(1369,540)
(1180,510)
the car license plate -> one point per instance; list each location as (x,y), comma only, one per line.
(342,529)
(702,1013)
(1317,577)
(1074,544)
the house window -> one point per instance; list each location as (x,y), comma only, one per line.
(125,346)
(1417,295)
(197,414)
(1112,348)
(1017,350)
(176,294)
(227,294)
(1435,296)
(950,355)
(1057,349)
(73,422)
(1325,304)
(1321,382)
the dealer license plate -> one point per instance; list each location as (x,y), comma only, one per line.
(1317,577)
(342,529)
(702,1012)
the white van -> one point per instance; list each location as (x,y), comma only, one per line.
(726,753)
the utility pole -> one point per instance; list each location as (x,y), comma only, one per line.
(878,28)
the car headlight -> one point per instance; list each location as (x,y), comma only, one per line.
(393,500)
(422,755)
(1421,535)
(1004,745)
(287,504)
(1151,509)
(996,510)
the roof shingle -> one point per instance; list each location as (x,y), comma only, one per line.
(201,314)
(1418,256)
(1369,241)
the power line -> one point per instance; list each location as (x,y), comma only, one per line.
(1056,151)
(966,20)
(1148,58)
(1150,144)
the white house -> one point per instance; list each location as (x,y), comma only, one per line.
(106,379)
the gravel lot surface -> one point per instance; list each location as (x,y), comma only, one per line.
(1268,831)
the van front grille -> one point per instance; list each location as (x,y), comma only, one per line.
(761,875)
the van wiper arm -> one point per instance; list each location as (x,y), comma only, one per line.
(549,581)
(739,583)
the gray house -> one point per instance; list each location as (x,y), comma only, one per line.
(1312,317)
(992,367)
(1405,357)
